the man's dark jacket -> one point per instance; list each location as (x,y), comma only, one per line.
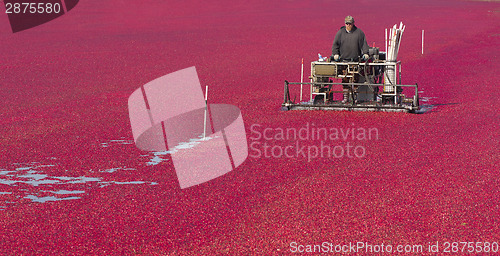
(350,45)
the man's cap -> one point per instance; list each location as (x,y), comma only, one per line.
(349,19)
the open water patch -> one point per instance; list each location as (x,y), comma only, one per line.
(32,181)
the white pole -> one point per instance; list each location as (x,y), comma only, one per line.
(206,108)
(386,42)
(310,85)
(422,41)
(301,78)
(206,93)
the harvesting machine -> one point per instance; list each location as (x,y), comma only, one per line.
(367,85)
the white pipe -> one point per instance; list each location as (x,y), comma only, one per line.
(399,40)
(389,36)
(394,41)
(301,78)
(386,42)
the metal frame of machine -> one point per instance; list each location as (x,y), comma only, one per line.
(361,81)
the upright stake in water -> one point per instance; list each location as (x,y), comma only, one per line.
(422,41)
(206,108)
(301,78)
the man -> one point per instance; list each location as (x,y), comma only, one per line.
(349,42)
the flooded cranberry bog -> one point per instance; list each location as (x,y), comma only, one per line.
(72,180)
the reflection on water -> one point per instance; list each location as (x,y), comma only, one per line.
(427,100)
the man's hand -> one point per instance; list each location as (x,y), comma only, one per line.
(336,57)
(365,56)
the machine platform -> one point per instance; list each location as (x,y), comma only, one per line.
(374,85)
